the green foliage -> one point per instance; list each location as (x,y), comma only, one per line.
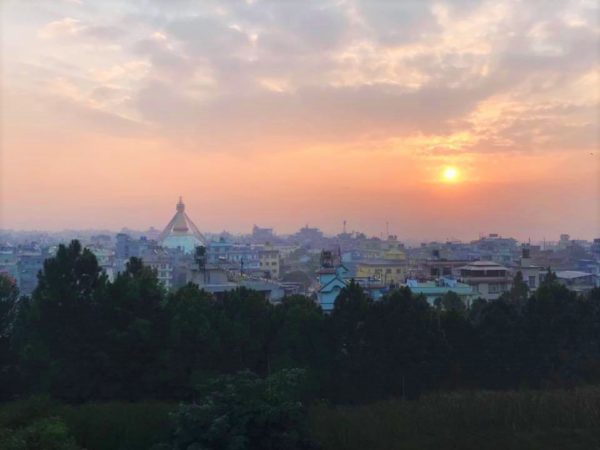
(93,426)
(134,326)
(8,299)
(245,412)
(8,359)
(519,292)
(450,301)
(81,338)
(57,334)
(527,420)
(191,340)
(119,426)
(43,434)
(33,424)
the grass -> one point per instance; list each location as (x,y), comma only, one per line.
(465,420)
(478,420)
(97,426)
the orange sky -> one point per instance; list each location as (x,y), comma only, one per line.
(287,113)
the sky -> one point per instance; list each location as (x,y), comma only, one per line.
(286,113)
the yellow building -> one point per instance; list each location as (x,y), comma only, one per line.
(269,261)
(387,271)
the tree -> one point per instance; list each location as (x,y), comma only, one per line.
(59,337)
(8,361)
(192,340)
(519,292)
(347,330)
(245,412)
(9,294)
(242,323)
(498,343)
(300,339)
(134,325)
(552,321)
(451,301)
(404,349)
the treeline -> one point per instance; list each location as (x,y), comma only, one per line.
(80,337)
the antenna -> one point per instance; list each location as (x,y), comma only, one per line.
(344,226)
(387,229)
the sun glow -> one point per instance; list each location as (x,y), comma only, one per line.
(450,174)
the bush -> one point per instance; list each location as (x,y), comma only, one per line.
(245,412)
(42,434)
(93,426)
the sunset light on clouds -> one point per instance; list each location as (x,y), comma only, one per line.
(444,119)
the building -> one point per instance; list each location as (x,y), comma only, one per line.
(332,279)
(217,279)
(181,232)
(244,256)
(387,271)
(159,261)
(269,261)
(489,279)
(432,290)
(262,235)
(575,280)
(333,276)
(533,274)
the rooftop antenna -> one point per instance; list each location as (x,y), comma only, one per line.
(387,229)
(344,226)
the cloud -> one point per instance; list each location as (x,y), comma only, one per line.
(242,74)
(64,27)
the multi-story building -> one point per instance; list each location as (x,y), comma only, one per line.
(160,260)
(388,271)
(262,235)
(489,279)
(269,261)
(244,256)
(533,274)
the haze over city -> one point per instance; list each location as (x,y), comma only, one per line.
(444,119)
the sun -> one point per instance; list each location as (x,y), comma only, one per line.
(450,174)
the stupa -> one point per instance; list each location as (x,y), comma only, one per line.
(181,232)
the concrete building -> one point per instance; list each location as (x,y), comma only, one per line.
(333,276)
(217,279)
(244,256)
(269,261)
(388,271)
(161,261)
(432,290)
(489,279)
(533,274)
(580,282)
(332,279)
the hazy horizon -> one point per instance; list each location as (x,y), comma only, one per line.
(444,119)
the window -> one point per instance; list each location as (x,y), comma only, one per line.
(532,281)
(494,288)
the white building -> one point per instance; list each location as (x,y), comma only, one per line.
(181,232)
(489,279)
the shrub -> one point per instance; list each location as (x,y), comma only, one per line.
(245,412)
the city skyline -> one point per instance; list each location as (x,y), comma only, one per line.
(472,117)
